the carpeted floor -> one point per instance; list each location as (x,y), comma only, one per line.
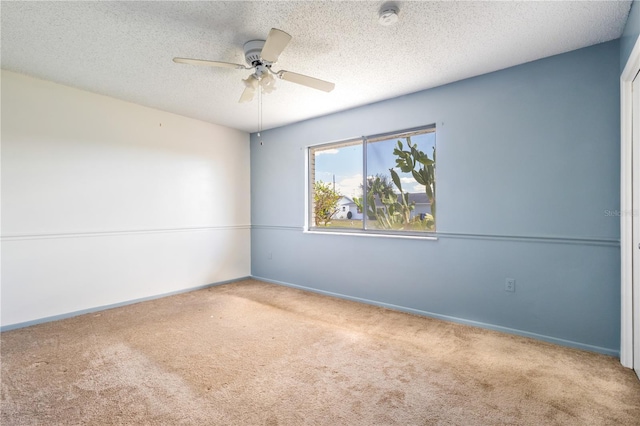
(251,353)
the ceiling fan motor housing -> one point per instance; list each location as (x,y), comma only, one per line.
(252,51)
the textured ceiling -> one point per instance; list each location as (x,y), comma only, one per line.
(124,49)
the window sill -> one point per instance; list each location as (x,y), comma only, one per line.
(373,234)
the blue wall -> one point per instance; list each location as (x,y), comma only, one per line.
(535,146)
(630,34)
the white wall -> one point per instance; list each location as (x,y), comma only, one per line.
(105,201)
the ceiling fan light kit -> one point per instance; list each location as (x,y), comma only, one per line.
(260,55)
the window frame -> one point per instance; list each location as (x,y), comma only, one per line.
(363,141)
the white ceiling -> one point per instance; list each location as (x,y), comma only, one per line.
(124,49)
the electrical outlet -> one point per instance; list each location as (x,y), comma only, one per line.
(510,284)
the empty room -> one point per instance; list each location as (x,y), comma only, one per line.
(226,213)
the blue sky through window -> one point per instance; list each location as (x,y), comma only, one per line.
(345,163)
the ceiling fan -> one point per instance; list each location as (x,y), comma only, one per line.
(260,56)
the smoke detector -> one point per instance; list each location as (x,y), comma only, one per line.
(388,15)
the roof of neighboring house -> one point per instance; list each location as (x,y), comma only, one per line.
(345,200)
(417,197)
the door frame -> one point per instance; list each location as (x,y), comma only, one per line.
(626,207)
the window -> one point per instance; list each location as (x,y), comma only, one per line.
(398,195)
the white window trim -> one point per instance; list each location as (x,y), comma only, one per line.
(429,236)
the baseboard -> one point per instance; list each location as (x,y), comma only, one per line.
(508,330)
(114,305)
(549,339)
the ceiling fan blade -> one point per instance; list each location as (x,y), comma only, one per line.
(305,80)
(208,63)
(247,95)
(276,41)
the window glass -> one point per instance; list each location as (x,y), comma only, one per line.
(398,194)
(401,183)
(336,185)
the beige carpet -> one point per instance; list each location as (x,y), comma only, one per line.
(251,353)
